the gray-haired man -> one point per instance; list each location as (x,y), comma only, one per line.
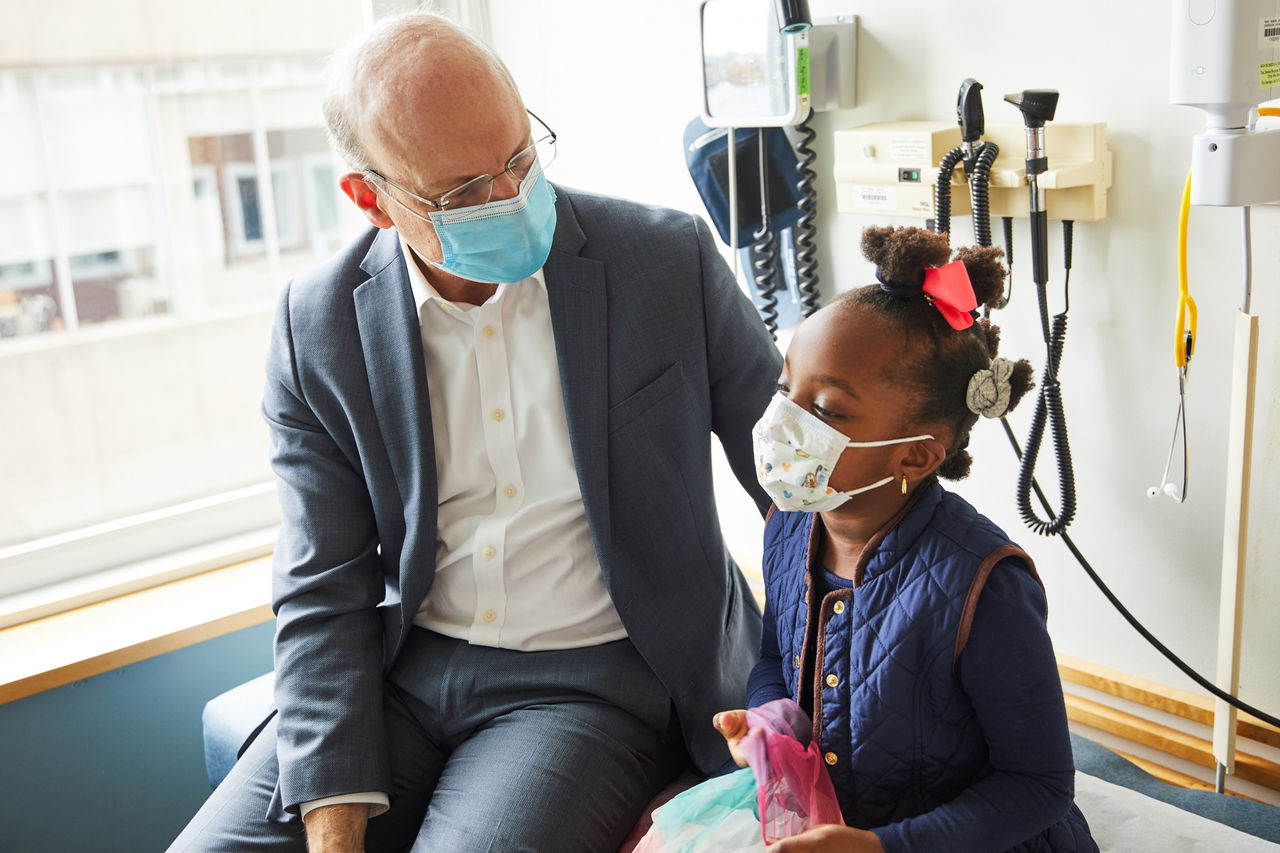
(505,613)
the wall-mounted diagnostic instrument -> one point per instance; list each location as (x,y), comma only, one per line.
(767,65)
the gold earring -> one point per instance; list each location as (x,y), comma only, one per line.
(904,484)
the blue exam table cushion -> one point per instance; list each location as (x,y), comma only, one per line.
(230,719)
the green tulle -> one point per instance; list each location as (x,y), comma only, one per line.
(719,815)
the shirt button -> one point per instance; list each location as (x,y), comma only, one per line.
(509,491)
(830,758)
(498,414)
(490,552)
(489,616)
(838,607)
(487,331)
(833,681)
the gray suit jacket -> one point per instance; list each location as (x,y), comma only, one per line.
(657,349)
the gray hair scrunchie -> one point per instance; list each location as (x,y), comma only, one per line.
(989,390)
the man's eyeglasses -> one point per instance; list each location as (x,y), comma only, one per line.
(479,189)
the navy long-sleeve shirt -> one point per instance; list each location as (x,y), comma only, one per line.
(1009,673)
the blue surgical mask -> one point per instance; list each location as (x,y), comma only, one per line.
(502,241)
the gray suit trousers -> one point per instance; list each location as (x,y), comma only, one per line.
(492,750)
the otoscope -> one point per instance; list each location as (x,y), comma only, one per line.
(1038,106)
(969,152)
(978,158)
(972,121)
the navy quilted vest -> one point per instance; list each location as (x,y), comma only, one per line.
(899,734)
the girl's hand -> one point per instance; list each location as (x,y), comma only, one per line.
(733,725)
(829,838)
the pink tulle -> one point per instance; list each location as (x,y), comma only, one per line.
(793,790)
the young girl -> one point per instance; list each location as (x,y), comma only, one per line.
(908,626)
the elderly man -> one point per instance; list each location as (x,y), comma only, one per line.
(505,613)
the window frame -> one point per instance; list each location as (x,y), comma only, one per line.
(105,560)
(99,561)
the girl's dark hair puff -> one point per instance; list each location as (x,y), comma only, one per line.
(938,361)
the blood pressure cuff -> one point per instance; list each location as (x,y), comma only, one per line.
(706,151)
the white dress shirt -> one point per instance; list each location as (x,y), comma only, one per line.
(515,564)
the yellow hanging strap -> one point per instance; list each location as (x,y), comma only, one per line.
(1185,343)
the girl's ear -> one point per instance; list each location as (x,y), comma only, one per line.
(922,458)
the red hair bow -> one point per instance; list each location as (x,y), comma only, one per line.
(949,289)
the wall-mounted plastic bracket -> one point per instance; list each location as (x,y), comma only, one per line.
(1234,167)
(890,169)
(1075,184)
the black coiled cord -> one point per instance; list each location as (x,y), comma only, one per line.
(979,191)
(1049,409)
(805,229)
(942,190)
(764,258)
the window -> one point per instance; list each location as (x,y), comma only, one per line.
(150,212)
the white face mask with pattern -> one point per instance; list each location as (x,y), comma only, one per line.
(796,452)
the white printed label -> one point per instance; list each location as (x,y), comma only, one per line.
(1268,33)
(876,198)
(909,151)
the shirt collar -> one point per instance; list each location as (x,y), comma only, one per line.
(423,292)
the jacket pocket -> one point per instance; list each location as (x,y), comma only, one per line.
(635,405)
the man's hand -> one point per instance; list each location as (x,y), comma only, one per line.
(829,838)
(733,725)
(337,828)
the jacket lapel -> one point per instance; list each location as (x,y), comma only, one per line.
(576,293)
(390,337)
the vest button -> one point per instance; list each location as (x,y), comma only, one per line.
(832,681)
(831,758)
(838,607)
(797,661)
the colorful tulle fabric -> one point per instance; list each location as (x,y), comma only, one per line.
(783,791)
(794,792)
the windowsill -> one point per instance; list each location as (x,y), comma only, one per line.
(120,580)
(75,644)
(96,638)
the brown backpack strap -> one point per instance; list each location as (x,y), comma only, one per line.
(975,589)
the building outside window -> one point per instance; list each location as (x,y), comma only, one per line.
(164,179)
